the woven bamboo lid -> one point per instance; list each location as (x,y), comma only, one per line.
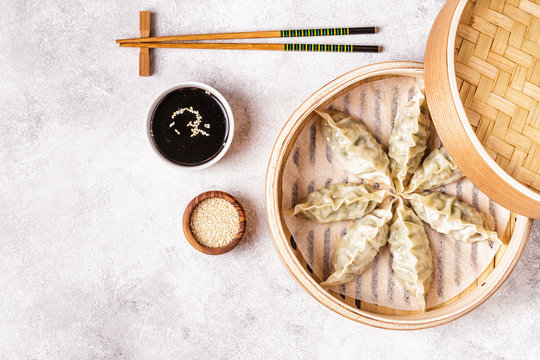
(482,71)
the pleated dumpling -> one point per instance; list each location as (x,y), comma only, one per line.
(339,202)
(437,169)
(359,246)
(449,216)
(411,255)
(408,140)
(354,147)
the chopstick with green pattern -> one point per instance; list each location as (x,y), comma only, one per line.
(258,46)
(332,48)
(328,31)
(255,35)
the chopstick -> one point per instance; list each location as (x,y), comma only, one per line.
(259,46)
(256,34)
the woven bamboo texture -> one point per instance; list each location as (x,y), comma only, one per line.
(497,62)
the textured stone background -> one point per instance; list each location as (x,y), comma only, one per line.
(93,264)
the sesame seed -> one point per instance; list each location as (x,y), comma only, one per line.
(194,125)
(214,222)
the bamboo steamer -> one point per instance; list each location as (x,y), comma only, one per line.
(515,238)
(482,78)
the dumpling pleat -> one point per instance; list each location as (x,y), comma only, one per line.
(354,147)
(339,202)
(436,170)
(358,247)
(411,255)
(447,215)
(408,140)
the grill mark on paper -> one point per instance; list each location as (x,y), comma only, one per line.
(459,189)
(341,290)
(328,182)
(312,141)
(358,286)
(294,194)
(310,247)
(412,92)
(378,102)
(475,197)
(440,272)
(362,103)
(346,102)
(457,269)
(374,277)
(395,93)
(326,254)
(407,296)
(311,187)
(390,290)
(328,154)
(295,157)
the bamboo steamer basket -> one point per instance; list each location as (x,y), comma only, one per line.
(505,260)
(482,79)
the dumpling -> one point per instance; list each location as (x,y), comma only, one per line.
(359,246)
(449,216)
(408,139)
(437,169)
(411,255)
(354,147)
(339,202)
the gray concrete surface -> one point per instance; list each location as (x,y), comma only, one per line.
(93,264)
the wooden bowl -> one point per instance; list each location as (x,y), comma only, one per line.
(517,230)
(482,83)
(186,219)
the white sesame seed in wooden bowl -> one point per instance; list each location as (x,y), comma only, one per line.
(214,222)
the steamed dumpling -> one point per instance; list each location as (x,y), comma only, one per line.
(339,202)
(437,169)
(354,147)
(449,216)
(408,139)
(411,255)
(359,246)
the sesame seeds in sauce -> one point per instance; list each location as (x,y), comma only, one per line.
(189,126)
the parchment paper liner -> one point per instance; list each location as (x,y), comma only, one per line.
(455,264)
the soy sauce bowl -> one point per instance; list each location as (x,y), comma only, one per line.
(190,125)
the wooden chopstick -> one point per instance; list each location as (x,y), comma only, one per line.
(260,46)
(256,34)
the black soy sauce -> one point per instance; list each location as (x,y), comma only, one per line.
(173,127)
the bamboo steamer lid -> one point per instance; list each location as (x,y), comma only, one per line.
(482,75)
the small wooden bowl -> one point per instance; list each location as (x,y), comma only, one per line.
(186,219)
